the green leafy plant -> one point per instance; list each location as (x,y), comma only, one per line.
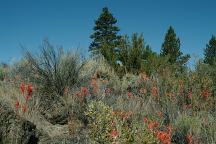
(99,118)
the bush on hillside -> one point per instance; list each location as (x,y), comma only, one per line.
(53,70)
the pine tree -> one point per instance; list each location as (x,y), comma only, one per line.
(133,53)
(171,47)
(210,51)
(105,38)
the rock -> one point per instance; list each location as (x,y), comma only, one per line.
(55,111)
(14,129)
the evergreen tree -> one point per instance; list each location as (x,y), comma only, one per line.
(105,38)
(133,53)
(210,51)
(171,48)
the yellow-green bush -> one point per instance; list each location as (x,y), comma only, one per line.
(99,118)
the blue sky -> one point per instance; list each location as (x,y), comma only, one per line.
(69,23)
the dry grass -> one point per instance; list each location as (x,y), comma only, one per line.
(10,93)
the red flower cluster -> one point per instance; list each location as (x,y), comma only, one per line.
(94,91)
(29,89)
(154,91)
(163,136)
(130,94)
(27,97)
(114,134)
(189,139)
(84,92)
(145,119)
(24,108)
(152,125)
(17,105)
(78,94)
(159,114)
(205,93)
(22,88)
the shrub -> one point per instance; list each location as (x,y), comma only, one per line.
(100,118)
(53,70)
(184,126)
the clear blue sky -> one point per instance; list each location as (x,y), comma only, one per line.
(69,23)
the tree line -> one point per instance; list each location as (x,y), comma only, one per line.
(132,54)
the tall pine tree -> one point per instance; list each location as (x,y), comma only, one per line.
(105,38)
(210,51)
(171,47)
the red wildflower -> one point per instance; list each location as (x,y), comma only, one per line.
(159,114)
(22,88)
(84,91)
(93,82)
(130,94)
(145,119)
(30,89)
(94,91)
(78,94)
(169,129)
(17,105)
(150,126)
(114,134)
(156,123)
(154,91)
(24,108)
(205,93)
(189,139)
(163,137)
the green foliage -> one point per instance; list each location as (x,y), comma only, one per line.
(171,47)
(210,51)
(185,125)
(103,120)
(53,70)
(105,38)
(133,54)
(206,78)
(100,118)
(154,64)
(132,131)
